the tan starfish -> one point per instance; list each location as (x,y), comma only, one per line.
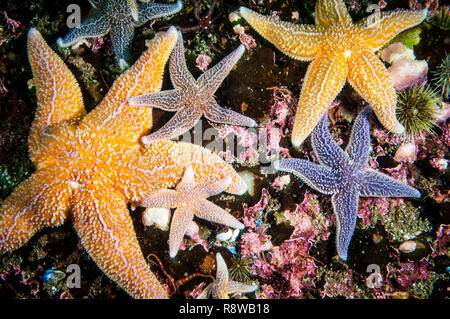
(340,50)
(192,98)
(189,198)
(222,286)
(89,166)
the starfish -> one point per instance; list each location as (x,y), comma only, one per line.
(345,175)
(340,50)
(189,198)
(192,98)
(89,166)
(119,18)
(221,287)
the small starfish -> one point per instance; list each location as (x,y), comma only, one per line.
(190,199)
(345,175)
(221,287)
(119,18)
(89,166)
(191,99)
(340,50)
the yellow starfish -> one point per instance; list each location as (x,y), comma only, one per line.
(340,50)
(89,166)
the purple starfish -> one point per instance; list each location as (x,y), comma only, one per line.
(192,98)
(119,18)
(345,175)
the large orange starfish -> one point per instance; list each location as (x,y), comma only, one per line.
(89,166)
(340,50)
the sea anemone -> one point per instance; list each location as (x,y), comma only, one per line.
(417,108)
(241,269)
(442,77)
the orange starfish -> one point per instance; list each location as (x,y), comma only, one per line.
(340,50)
(90,166)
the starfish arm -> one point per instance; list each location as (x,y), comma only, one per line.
(375,184)
(214,112)
(358,148)
(221,271)
(180,123)
(59,97)
(182,217)
(369,77)
(167,198)
(102,221)
(95,26)
(121,120)
(301,42)
(164,100)
(235,286)
(205,293)
(330,12)
(179,73)
(213,188)
(325,147)
(132,4)
(31,207)
(188,179)
(377,34)
(121,37)
(211,79)
(213,213)
(151,10)
(324,80)
(320,178)
(345,206)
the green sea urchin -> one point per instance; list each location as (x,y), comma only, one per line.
(416,110)
(441,19)
(442,77)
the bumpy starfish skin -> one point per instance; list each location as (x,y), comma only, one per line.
(340,50)
(119,18)
(189,198)
(345,175)
(88,168)
(192,98)
(222,286)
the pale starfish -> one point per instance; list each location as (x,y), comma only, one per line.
(189,198)
(89,166)
(222,286)
(119,18)
(340,50)
(192,98)
(345,175)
